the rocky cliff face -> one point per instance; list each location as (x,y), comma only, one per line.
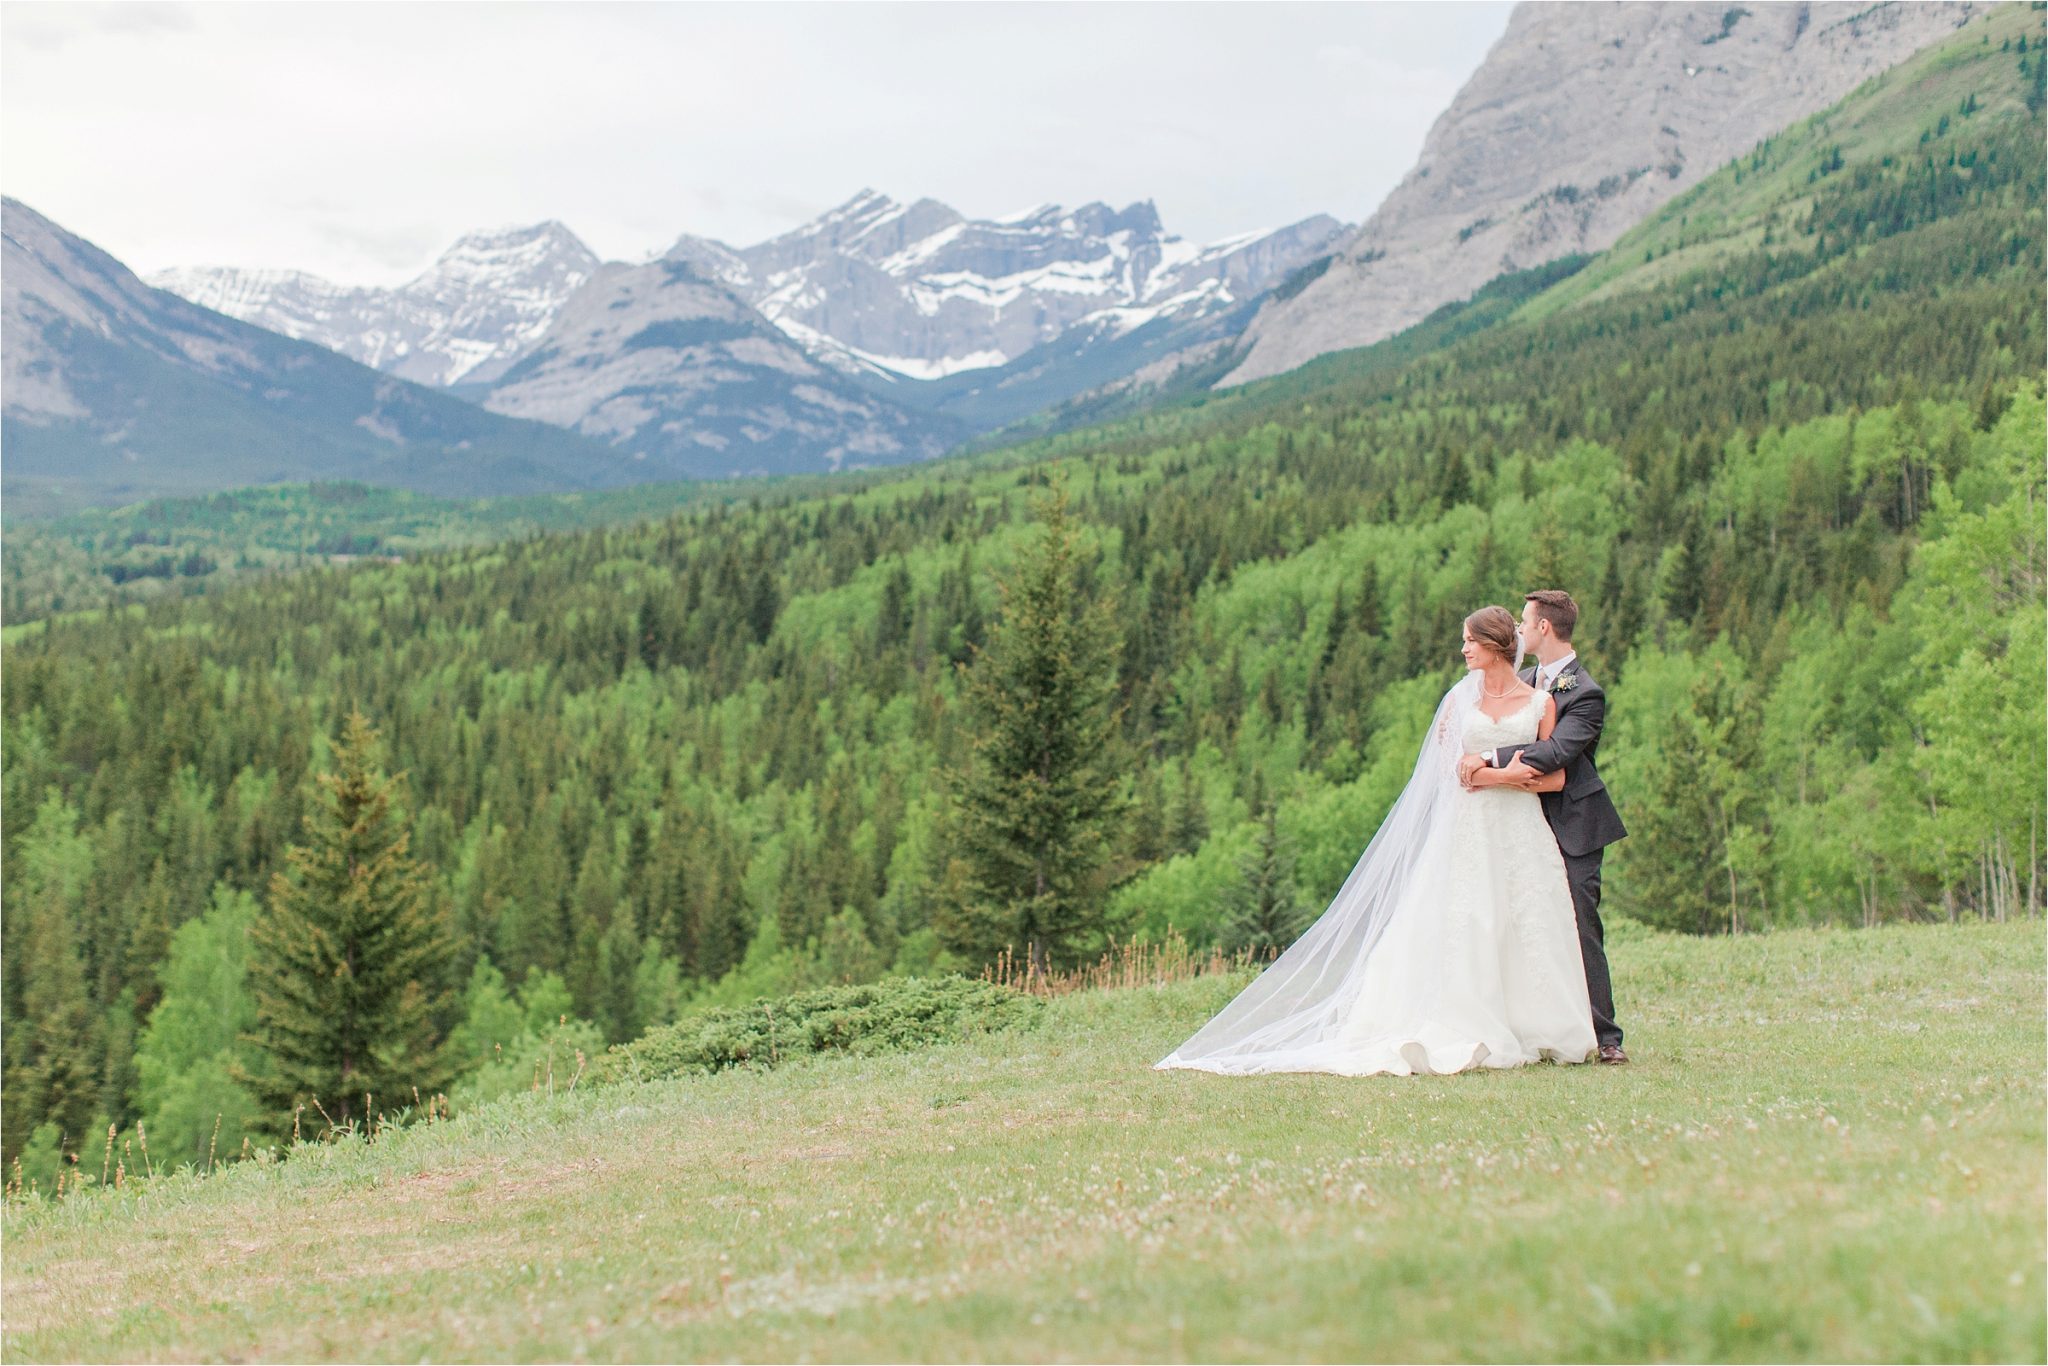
(1582,119)
(921,291)
(484,303)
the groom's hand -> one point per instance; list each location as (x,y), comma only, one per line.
(1469,764)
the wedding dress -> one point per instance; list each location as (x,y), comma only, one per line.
(1451,945)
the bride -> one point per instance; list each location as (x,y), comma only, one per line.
(1452,944)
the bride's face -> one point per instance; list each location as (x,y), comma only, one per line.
(1478,654)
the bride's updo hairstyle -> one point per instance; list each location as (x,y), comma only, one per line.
(1494,627)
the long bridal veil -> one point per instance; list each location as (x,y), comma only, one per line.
(1290,1017)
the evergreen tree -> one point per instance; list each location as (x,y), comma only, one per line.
(1190,813)
(350,959)
(51,1041)
(1148,823)
(1265,912)
(618,1002)
(892,621)
(1038,799)
(1689,817)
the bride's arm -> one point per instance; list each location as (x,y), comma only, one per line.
(1552,781)
(1542,782)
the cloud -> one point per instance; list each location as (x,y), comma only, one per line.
(47,25)
(399,247)
(358,141)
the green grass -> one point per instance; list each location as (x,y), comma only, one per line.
(1830,1146)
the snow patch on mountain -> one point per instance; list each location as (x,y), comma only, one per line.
(924,292)
(477,309)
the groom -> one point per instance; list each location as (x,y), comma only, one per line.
(1582,816)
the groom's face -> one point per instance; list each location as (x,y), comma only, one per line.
(1531,624)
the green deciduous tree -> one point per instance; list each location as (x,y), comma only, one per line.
(189,1055)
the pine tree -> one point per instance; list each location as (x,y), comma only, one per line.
(1265,911)
(1038,800)
(1190,826)
(1549,564)
(892,621)
(1148,824)
(51,1037)
(350,959)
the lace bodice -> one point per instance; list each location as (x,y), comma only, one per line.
(1518,727)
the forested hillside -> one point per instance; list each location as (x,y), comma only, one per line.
(1787,456)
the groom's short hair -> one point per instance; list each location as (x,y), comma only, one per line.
(1555,606)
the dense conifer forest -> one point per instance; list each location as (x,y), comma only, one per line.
(1783,443)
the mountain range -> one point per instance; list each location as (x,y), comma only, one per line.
(885,331)
(920,291)
(950,325)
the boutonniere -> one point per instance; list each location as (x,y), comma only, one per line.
(1565,682)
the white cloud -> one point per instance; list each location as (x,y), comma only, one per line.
(358,140)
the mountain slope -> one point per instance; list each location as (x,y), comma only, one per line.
(115,391)
(688,380)
(1581,120)
(483,304)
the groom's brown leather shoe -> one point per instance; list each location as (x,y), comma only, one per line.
(1611,1052)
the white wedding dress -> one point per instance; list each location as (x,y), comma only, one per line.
(1452,945)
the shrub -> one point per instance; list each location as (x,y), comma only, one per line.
(874,1017)
(552,1057)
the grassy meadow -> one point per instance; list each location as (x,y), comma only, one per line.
(1829,1146)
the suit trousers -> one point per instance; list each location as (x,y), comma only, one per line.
(1582,871)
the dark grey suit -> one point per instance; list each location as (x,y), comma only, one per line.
(1582,817)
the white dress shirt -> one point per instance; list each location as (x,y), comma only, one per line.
(1546,674)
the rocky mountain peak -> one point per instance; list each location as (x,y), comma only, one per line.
(920,290)
(1581,120)
(482,303)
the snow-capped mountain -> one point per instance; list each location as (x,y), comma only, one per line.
(879,331)
(921,291)
(477,309)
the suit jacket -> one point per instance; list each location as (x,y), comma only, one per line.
(1582,816)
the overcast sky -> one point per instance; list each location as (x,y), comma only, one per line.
(357,140)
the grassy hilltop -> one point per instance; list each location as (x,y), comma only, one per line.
(1829,1147)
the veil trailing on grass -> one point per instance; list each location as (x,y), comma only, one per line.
(1290,1017)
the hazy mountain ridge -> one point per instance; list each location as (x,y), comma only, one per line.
(114,390)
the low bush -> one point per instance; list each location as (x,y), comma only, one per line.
(875,1017)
